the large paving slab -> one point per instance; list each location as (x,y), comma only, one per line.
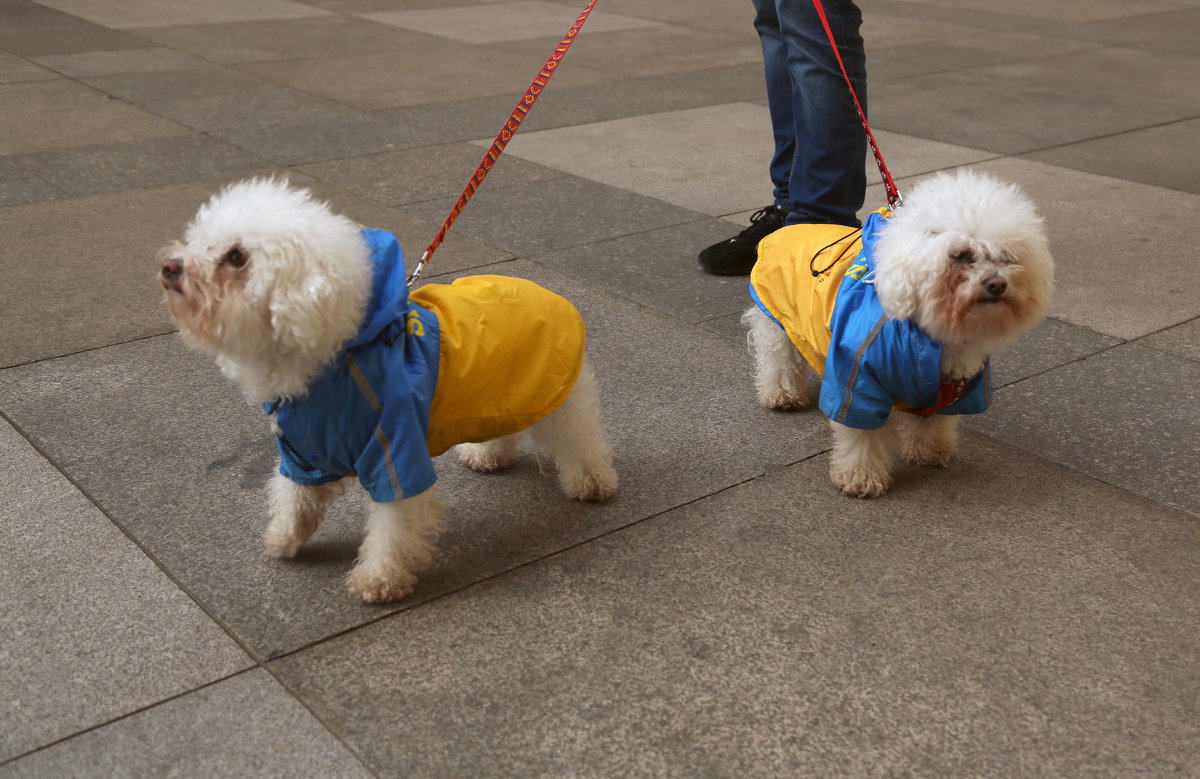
(244,726)
(680,157)
(564,106)
(1163,156)
(1125,416)
(1005,617)
(413,175)
(31,29)
(540,216)
(60,114)
(92,629)
(181,460)
(649,51)
(126,14)
(1066,10)
(1018,107)
(215,99)
(378,80)
(504,21)
(156,162)
(281,39)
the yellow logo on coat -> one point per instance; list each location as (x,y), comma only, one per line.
(856,271)
(413,325)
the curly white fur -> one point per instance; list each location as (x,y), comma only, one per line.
(966,259)
(272,283)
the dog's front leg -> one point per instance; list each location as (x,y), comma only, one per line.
(398,543)
(861,463)
(295,512)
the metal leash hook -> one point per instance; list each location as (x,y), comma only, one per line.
(412,277)
(504,136)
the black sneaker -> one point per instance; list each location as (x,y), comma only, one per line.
(736,256)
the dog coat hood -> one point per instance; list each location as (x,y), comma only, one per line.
(483,357)
(817,283)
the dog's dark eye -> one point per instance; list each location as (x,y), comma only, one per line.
(965,256)
(235,257)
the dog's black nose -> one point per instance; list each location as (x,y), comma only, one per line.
(995,285)
(172,269)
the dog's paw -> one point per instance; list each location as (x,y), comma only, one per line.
(483,458)
(377,584)
(861,483)
(781,399)
(592,485)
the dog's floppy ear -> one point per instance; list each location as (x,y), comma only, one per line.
(301,313)
(899,277)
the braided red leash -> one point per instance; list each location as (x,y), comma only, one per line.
(893,193)
(504,136)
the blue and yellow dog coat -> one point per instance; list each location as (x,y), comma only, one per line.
(470,361)
(817,283)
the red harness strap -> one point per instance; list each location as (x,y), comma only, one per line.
(949,392)
(504,136)
(893,193)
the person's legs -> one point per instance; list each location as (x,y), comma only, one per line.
(736,256)
(828,178)
(779,96)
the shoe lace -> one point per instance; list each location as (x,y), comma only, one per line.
(762,213)
(758,216)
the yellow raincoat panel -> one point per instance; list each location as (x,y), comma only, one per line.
(510,351)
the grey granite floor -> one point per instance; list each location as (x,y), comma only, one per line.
(1032,611)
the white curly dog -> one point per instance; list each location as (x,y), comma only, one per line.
(310,315)
(901,315)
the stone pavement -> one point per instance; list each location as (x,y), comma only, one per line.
(1033,610)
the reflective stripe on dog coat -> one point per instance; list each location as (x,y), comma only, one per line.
(869,364)
(470,361)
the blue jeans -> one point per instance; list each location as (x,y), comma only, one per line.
(820,146)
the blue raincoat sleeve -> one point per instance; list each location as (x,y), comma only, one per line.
(395,463)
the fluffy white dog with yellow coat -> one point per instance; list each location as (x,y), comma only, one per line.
(900,316)
(310,315)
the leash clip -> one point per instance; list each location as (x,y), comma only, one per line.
(417,270)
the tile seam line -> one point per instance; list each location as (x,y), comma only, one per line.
(578,544)
(181,695)
(39,360)
(126,715)
(250,653)
(1106,136)
(256,659)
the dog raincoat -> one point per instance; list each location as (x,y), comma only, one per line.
(470,361)
(817,283)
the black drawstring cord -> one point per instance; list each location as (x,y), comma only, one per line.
(813,259)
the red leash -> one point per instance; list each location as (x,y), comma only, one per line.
(505,135)
(893,193)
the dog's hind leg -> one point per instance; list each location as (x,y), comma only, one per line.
(399,542)
(574,434)
(490,455)
(931,440)
(295,511)
(779,370)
